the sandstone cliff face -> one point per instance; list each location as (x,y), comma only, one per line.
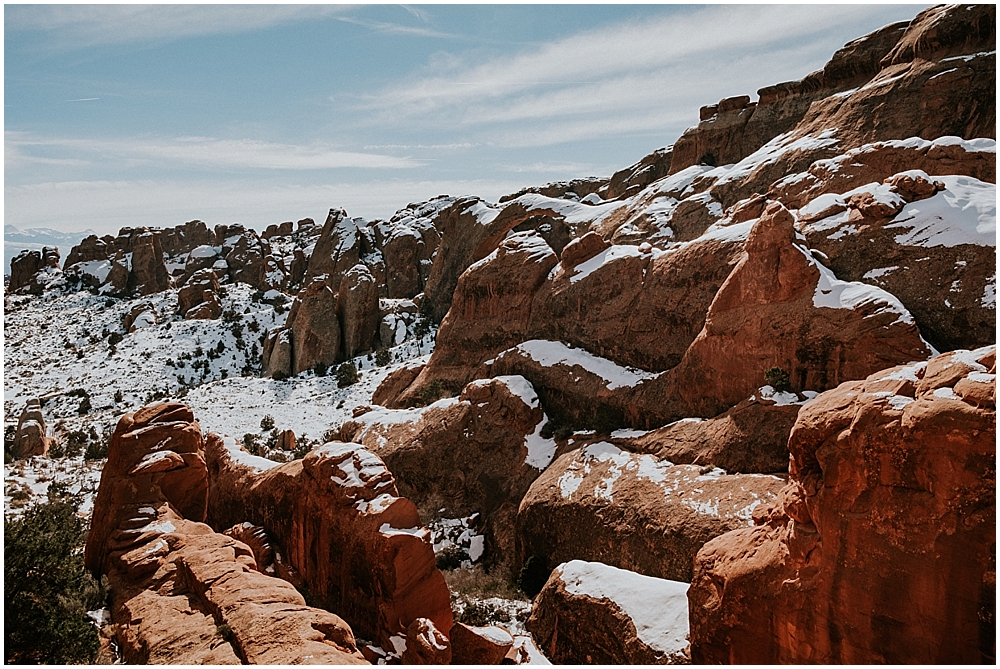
(182,593)
(780,307)
(358,547)
(634,512)
(881,547)
(22,268)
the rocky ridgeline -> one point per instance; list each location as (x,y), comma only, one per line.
(696,409)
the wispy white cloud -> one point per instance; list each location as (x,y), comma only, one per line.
(77,205)
(201,151)
(71,26)
(397,28)
(623,77)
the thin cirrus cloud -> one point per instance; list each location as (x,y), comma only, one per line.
(202,151)
(653,63)
(69,26)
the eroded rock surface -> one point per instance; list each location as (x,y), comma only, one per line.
(336,515)
(882,546)
(182,593)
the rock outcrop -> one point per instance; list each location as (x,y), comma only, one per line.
(23,267)
(881,549)
(336,517)
(199,298)
(635,512)
(781,308)
(358,311)
(149,272)
(477,453)
(181,593)
(30,439)
(590,613)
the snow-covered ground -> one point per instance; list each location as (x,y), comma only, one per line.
(59,345)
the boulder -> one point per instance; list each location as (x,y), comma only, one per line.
(631,511)
(881,549)
(204,257)
(278,353)
(479,645)
(590,613)
(477,453)
(181,593)
(336,516)
(358,311)
(30,438)
(141,315)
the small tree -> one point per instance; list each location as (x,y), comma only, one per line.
(778,379)
(383,357)
(47,590)
(347,375)
(267,423)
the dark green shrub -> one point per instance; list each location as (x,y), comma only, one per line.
(478,614)
(47,591)
(115,338)
(267,423)
(383,357)
(432,392)
(778,379)
(118,397)
(84,407)
(320,369)
(96,450)
(347,375)
(449,558)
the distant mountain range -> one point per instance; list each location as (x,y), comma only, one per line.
(15,241)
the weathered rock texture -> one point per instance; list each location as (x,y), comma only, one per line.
(634,512)
(479,645)
(881,549)
(781,308)
(30,438)
(750,438)
(181,593)
(199,298)
(478,453)
(590,613)
(635,308)
(358,547)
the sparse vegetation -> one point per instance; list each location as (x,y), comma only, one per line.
(347,375)
(383,357)
(778,379)
(267,423)
(47,591)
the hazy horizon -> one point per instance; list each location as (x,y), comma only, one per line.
(120,115)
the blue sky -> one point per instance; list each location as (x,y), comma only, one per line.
(121,115)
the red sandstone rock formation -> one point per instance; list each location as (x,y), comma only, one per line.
(882,546)
(781,308)
(148,271)
(30,438)
(478,453)
(750,438)
(479,645)
(358,311)
(633,511)
(336,517)
(182,594)
(23,268)
(590,613)
(199,298)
